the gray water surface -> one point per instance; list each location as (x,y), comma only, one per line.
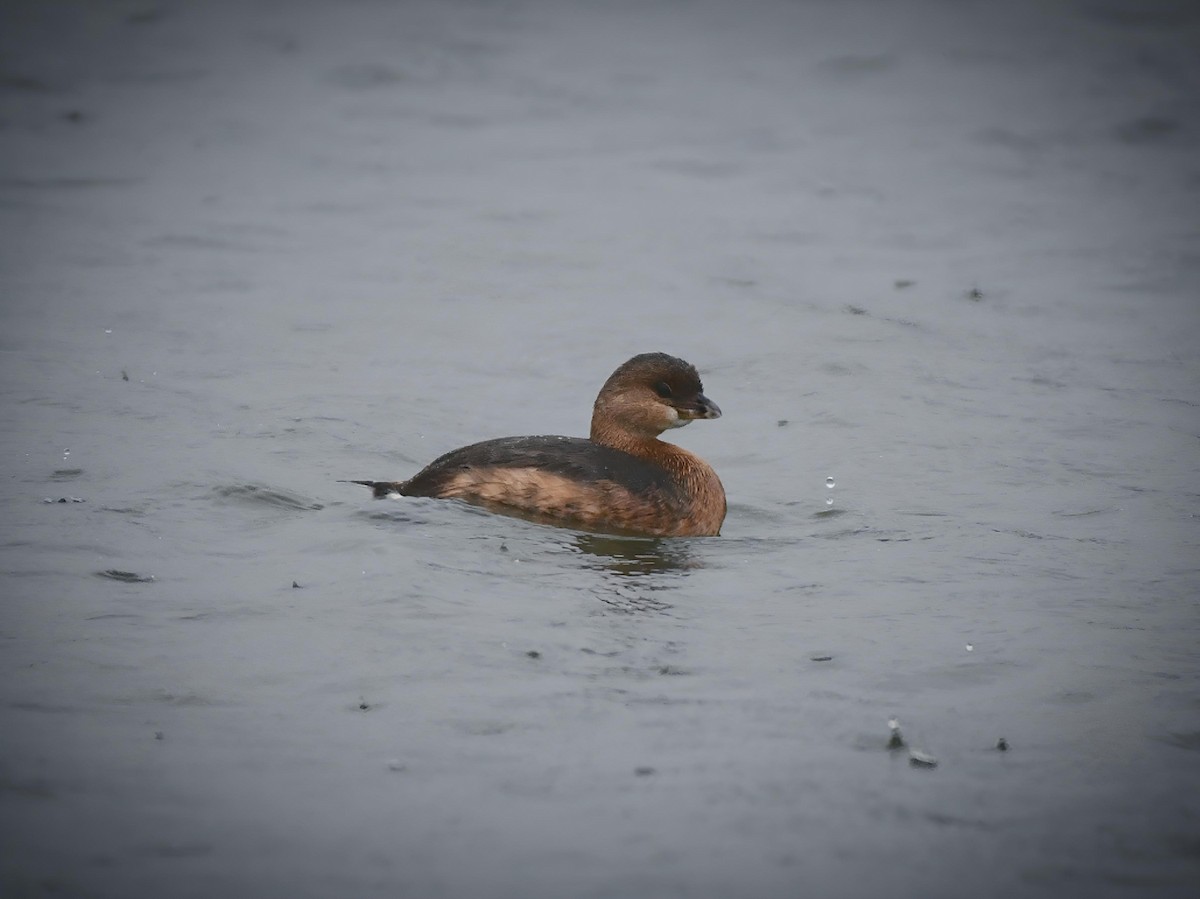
(944,254)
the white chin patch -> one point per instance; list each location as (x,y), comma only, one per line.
(676,421)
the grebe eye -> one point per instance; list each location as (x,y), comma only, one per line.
(663,389)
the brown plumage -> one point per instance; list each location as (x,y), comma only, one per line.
(623,479)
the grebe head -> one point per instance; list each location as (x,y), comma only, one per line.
(649,394)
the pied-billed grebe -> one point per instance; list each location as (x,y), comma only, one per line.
(623,479)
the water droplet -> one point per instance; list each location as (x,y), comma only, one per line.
(970,647)
(829,502)
(108,330)
(830,483)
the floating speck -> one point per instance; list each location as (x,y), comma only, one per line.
(534,654)
(643,771)
(295,585)
(919,759)
(395,765)
(1002,745)
(128,577)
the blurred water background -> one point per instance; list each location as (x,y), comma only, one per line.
(944,255)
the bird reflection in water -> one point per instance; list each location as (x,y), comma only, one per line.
(636,565)
(635,562)
(635,555)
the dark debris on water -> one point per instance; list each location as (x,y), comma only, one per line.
(127,577)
